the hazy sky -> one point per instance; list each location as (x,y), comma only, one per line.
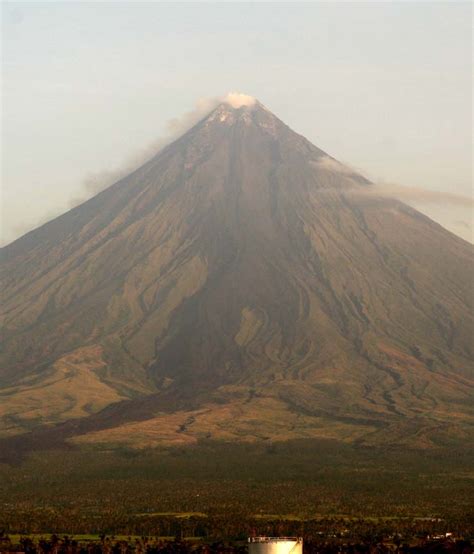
(384,87)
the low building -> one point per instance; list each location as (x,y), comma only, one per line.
(275,545)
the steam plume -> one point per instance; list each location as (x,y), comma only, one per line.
(175,128)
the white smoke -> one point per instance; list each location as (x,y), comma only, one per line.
(237,99)
(175,128)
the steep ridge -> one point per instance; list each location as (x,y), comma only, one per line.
(254,288)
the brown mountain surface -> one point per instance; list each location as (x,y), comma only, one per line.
(241,285)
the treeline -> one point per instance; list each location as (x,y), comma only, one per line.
(149,545)
(230,523)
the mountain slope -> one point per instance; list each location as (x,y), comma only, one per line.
(254,287)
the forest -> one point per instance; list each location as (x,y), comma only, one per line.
(331,494)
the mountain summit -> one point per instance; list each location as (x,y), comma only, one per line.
(240,285)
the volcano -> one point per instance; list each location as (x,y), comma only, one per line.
(242,285)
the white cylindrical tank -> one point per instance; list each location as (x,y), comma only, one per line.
(275,545)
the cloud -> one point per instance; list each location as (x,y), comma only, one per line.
(463,224)
(422,195)
(405,193)
(332,165)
